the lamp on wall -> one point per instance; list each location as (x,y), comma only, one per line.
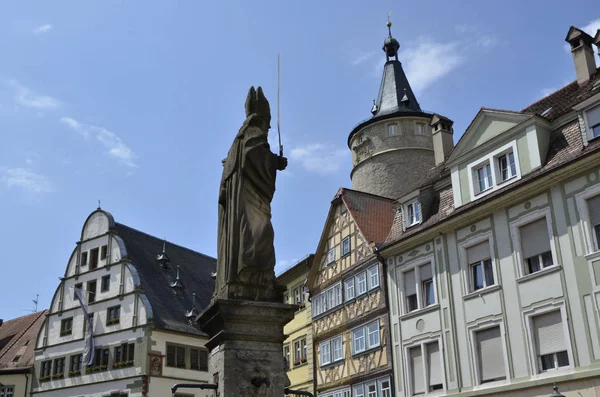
(556,393)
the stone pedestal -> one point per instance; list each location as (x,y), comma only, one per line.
(246,353)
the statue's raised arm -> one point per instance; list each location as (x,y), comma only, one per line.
(246,255)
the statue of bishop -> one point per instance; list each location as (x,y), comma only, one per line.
(246,255)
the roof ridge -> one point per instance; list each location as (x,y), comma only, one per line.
(164,239)
(16,338)
(366,194)
(550,94)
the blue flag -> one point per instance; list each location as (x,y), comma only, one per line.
(88,349)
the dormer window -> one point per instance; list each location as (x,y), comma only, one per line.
(413,213)
(392,129)
(331,256)
(507,166)
(484,177)
(593,121)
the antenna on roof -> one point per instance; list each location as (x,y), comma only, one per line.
(99,206)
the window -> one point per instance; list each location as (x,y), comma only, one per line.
(91,291)
(593,120)
(84,258)
(103,252)
(124,355)
(101,357)
(373,272)
(16,359)
(507,166)
(392,129)
(347,392)
(550,343)
(535,246)
(413,213)
(427,285)
(46,369)
(349,289)
(327,299)
(331,351)
(286,297)
(384,386)
(426,377)
(76,363)
(480,266)
(593,206)
(175,356)
(419,288)
(299,296)
(484,177)
(198,359)
(77,286)
(365,337)
(105,284)
(8,391)
(93,258)
(58,369)
(66,326)
(286,354)
(361,283)
(420,129)
(331,256)
(490,355)
(304,350)
(113,315)
(346,246)
(410,291)
(374,388)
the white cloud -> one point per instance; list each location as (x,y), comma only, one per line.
(26,97)
(359,57)
(111,141)
(465,28)
(592,27)
(319,158)
(42,29)
(486,41)
(25,179)
(428,61)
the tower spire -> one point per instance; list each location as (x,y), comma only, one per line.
(390,45)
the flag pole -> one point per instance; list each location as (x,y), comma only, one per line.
(278,122)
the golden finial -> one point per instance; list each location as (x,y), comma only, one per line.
(389,23)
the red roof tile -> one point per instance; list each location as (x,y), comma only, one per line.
(373,215)
(18,338)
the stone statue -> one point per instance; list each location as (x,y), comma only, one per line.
(246,255)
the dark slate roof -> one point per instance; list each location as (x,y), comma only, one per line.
(169,309)
(562,101)
(14,337)
(373,214)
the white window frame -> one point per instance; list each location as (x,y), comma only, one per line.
(331,256)
(357,292)
(588,127)
(416,266)
(490,158)
(413,217)
(370,285)
(506,154)
(584,214)
(392,129)
(407,368)
(344,241)
(328,345)
(342,392)
(533,356)
(482,326)
(516,238)
(349,282)
(420,129)
(468,288)
(365,330)
(321,300)
(488,177)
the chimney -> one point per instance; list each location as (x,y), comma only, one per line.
(443,141)
(583,54)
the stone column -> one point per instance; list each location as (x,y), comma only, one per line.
(246,346)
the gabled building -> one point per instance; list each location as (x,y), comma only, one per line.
(495,289)
(298,347)
(17,344)
(140,296)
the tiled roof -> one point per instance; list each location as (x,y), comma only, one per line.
(373,215)
(562,101)
(17,338)
(169,309)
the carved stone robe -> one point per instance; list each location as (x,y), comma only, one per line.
(246,256)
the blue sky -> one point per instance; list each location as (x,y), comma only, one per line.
(136,105)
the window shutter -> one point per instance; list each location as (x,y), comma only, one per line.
(426,272)
(416,360)
(409,283)
(478,252)
(491,355)
(594,209)
(593,116)
(433,364)
(549,333)
(534,238)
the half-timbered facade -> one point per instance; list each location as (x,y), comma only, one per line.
(349,311)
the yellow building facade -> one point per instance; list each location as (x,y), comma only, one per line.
(297,348)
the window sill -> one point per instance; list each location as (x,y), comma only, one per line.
(370,350)
(593,256)
(540,273)
(418,312)
(506,181)
(299,365)
(413,224)
(328,312)
(332,364)
(483,291)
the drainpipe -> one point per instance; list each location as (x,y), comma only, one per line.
(26,384)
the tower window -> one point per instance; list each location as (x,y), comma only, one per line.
(392,129)
(420,129)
